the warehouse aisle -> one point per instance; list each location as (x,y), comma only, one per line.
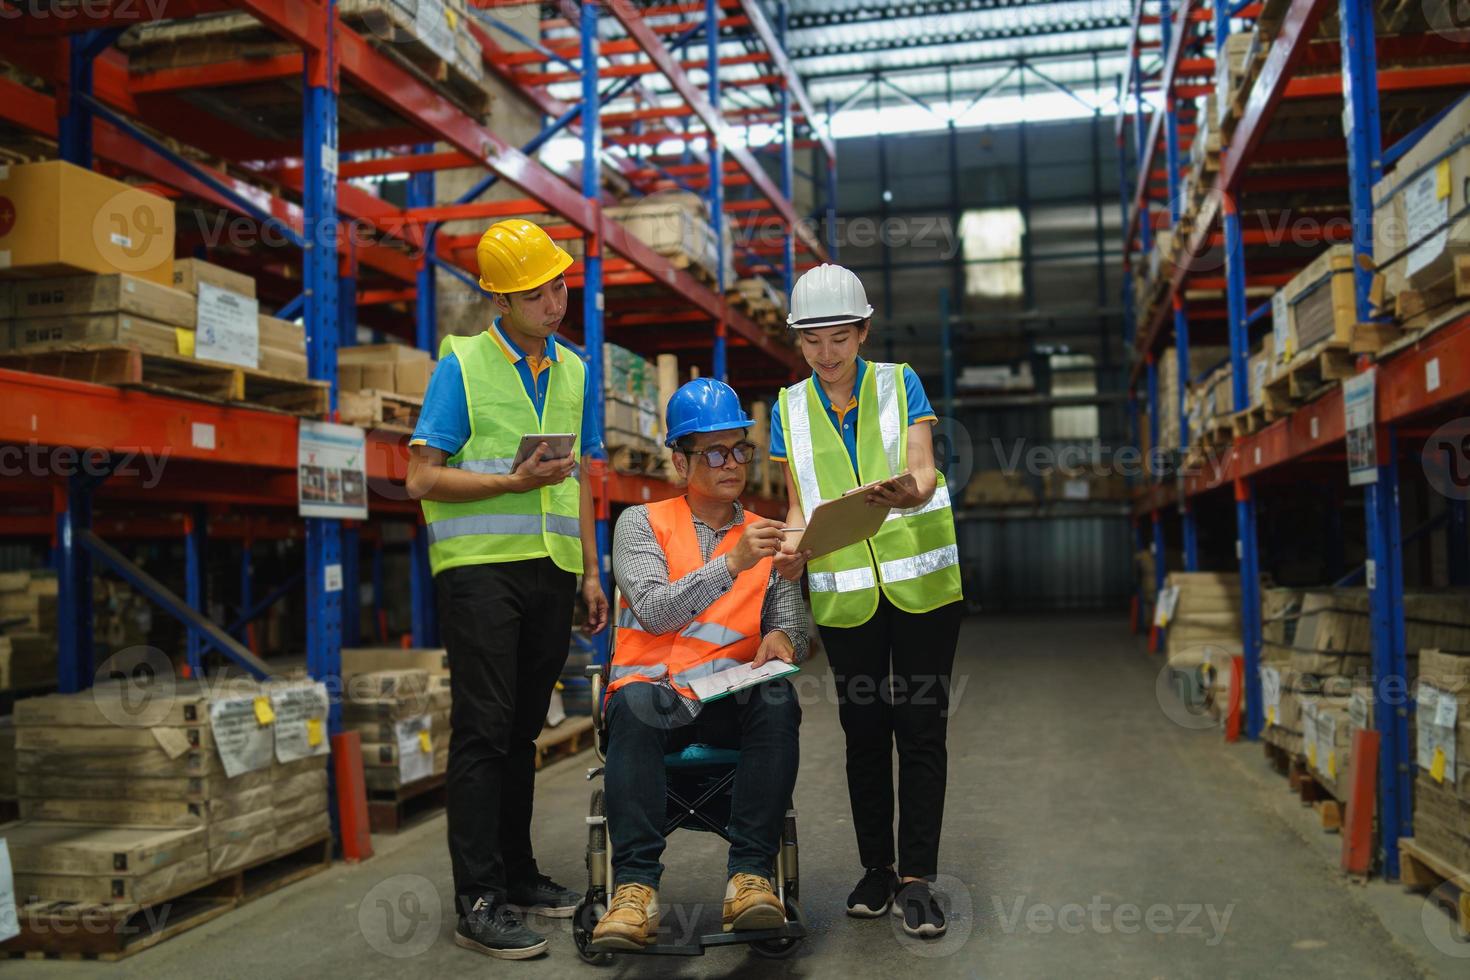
(1086,835)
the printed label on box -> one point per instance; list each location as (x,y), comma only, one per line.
(1426,220)
(244,744)
(296,707)
(9,922)
(229,327)
(415,760)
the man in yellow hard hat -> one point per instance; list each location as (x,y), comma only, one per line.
(506,542)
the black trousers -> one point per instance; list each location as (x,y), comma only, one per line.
(892,675)
(506,627)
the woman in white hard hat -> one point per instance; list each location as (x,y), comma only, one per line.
(888,608)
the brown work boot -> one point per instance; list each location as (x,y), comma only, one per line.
(751,903)
(631,921)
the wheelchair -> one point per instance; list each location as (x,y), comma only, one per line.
(700,781)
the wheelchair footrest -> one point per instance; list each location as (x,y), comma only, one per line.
(791,930)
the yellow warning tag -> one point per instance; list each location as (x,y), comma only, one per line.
(425,745)
(263,712)
(1442,179)
(1332,765)
(1436,768)
(452,18)
(313,731)
(1271,714)
(1312,756)
(185,340)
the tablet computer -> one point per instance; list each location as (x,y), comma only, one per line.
(558,446)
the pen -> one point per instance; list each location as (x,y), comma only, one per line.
(788,530)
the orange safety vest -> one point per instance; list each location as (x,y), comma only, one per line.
(725,634)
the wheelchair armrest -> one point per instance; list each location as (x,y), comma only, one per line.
(597,674)
(595,670)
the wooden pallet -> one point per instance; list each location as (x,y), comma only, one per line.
(1249,421)
(1308,373)
(374,409)
(567,739)
(176,375)
(389,811)
(636,461)
(1422,869)
(72,931)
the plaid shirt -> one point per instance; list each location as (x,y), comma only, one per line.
(642,572)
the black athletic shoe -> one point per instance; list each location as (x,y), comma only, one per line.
(873,895)
(495,929)
(919,910)
(545,897)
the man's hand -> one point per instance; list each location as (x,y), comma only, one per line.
(898,494)
(596,605)
(791,563)
(761,539)
(535,472)
(776,645)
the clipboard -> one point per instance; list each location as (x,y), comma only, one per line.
(845,520)
(558,446)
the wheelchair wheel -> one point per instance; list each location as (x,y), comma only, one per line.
(584,920)
(779,949)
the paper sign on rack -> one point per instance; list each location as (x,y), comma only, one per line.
(301,711)
(1358,422)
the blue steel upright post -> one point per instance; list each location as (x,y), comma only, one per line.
(319,196)
(592,297)
(719,368)
(1384,545)
(426,316)
(1246,544)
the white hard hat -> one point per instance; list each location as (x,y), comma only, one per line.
(827,296)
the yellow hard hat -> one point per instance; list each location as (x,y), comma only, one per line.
(515,255)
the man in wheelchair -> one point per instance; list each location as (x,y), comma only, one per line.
(701,592)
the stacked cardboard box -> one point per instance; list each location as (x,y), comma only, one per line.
(1205,624)
(120,619)
(1421,220)
(397,368)
(281,345)
(997,487)
(401,715)
(181,776)
(66,221)
(7,758)
(1442,730)
(676,224)
(1211,399)
(1201,359)
(1320,305)
(1333,631)
(631,391)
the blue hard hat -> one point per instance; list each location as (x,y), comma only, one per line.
(703,405)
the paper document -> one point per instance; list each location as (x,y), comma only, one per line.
(733,679)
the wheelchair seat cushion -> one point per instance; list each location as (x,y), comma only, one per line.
(692,756)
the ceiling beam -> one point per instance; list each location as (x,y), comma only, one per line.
(887,12)
(1041,29)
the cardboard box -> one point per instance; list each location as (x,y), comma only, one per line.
(228,857)
(73,849)
(103,294)
(1415,242)
(367,660)
(69,221)
(283,335)
(412,377)
(191,789)
(189,273)
(1320,301)
(298,833)
(107,741)
(306,785)
(379,354)
(121,813)
(143,889)
(237,804)
(242,827)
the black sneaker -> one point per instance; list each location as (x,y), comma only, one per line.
(873,895)
(919,910)
(546,897)
(495,929)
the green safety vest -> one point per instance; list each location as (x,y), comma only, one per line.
(512,526)
(913,557)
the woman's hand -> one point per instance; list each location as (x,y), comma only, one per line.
(898,494)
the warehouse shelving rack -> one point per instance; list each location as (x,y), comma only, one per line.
(1406,399)
(234,457)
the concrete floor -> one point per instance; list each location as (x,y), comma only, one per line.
(1086,834)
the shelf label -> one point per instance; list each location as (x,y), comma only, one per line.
(1164,610)
(201,434)
(1370,573)
(1316,429)
(229,327)
(332,578)
(331,472)
(1258,455)
(1431,374)
(1357,410)
(1239,550)
(1280,328)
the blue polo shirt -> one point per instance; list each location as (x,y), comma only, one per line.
(844,418)
(444,422)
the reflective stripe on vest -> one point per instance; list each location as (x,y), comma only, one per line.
(725,634)
(511,526)
(913,558)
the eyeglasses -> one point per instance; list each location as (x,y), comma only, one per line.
(716,456)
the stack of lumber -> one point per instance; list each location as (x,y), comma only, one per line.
(676,225)
(382,384)
(760,301)
(192,779)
